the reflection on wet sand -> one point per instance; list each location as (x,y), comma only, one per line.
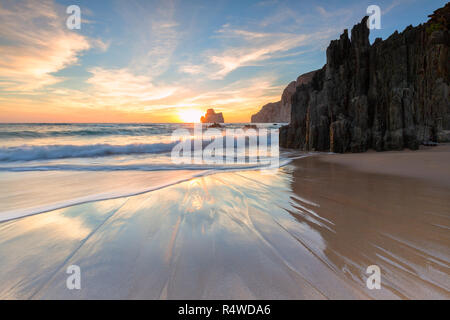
(400,224)
(308,232)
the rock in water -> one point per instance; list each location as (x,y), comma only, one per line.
(212,117)
(390,95)
(215,125)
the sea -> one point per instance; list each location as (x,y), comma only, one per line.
(49,166)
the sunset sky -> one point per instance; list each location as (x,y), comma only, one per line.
(150,61)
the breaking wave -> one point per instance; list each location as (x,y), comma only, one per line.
(49,152)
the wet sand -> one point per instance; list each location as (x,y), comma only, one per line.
(28,193)
(389,209)
(307,232)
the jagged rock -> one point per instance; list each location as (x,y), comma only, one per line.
(390,95)
(212,117)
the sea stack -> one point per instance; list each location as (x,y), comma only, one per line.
(389,95)
(212,117)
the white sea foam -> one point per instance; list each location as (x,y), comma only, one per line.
(48,152)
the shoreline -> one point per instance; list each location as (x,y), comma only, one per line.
(428,163)
(307,232)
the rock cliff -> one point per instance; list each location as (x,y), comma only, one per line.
(390,95)
(277,111)
(212,117)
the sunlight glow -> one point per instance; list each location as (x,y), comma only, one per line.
(190,115)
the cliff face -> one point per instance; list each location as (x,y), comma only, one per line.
(281,111)
(212,117)
(269,113)
(386,96)
(277,111)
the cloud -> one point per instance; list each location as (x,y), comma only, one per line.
(155,33)
(122,88)
(124,84)
(251,49)
(262,48)
(394,3)
(239,97)
(265,3)
(100,44)
(281,16)
(121,96)
(333,13)
(191,69)
(35,44)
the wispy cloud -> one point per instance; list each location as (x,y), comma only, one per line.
(393,5)
(242,91)
(252,49)
(281,16)
(265,3)
(258,47)
(333,12)
(191,69)
(36,45)
(123,84)
(156,34)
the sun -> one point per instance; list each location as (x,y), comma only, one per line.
(190,115)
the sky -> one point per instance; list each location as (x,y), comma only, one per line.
(158,61)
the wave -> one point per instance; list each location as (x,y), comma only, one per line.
(142,167)
(36,131)
(53,152)
(50,152)
(81,133)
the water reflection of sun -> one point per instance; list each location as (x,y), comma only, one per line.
(190,115)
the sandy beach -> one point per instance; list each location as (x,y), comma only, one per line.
(307,232)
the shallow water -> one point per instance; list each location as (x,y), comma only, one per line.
(307,232)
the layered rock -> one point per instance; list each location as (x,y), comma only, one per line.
(212,117)
(390,95)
